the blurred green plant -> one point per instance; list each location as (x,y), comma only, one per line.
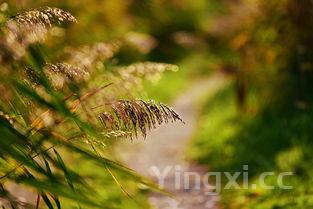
(270,140)
(264,118)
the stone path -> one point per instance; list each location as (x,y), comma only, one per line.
(163,153)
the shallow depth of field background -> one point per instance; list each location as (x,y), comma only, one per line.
(262,116)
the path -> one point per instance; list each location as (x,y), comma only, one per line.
(164,149)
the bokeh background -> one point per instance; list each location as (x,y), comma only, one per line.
(263,115)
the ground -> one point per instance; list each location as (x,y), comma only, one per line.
(165,148)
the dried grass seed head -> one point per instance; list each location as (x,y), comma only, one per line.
(30,27)
(45,16)
(89,55)
(137,115)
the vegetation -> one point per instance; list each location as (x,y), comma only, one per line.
(277,140)
(49,107)
(263,119)
(77,75)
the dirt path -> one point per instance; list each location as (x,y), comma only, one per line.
(164,149)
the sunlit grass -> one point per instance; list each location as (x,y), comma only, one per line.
(270,140)
(108,191)
(172,84)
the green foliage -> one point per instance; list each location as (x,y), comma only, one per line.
(56,81)
(263,119)
(273,139)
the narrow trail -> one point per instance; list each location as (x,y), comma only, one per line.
(164,149)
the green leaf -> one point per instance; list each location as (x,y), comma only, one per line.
(47,201)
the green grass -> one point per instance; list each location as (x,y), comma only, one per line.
(172,84)
(106,191)
(167,87)
(271,140)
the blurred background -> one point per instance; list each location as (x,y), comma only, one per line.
(262,116)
